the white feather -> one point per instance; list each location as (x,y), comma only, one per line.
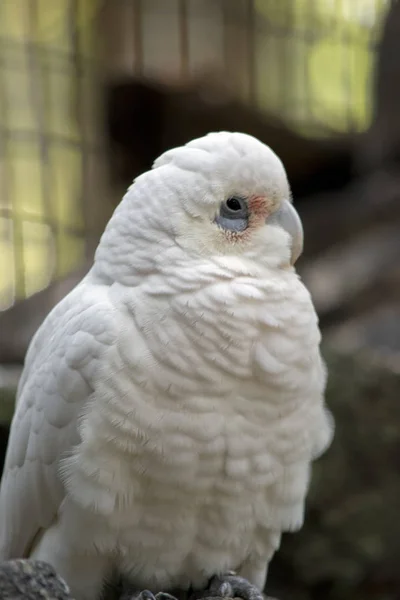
(171,405)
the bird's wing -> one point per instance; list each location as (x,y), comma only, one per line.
(55,386)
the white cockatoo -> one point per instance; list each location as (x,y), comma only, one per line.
(171,405)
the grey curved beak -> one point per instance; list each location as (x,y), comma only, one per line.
(288,218)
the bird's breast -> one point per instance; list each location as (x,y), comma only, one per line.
(182,488)
(201,434)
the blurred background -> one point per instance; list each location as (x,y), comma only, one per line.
(91,91)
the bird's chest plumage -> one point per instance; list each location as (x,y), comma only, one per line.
(199,446)
(194,505)
(183,493)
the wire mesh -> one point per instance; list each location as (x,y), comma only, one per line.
(307,61)
(49,147)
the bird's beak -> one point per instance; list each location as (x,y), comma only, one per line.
(287,218)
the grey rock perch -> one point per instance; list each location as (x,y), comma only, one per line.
(24,579)
(31,580)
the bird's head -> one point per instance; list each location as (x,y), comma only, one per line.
(223,194)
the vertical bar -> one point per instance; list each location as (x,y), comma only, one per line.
(79,70)
(184,38)
(233,66)
(5,181)
(346,50)
(307,42)
(18,244)
(236,46)
(251,28)
(37,84)
(138,37)
(288,61)
(226,26)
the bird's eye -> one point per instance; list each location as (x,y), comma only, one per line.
(233,214)
(234,208)
(233,204)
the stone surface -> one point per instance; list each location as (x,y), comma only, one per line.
(31,580)
(36,580)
